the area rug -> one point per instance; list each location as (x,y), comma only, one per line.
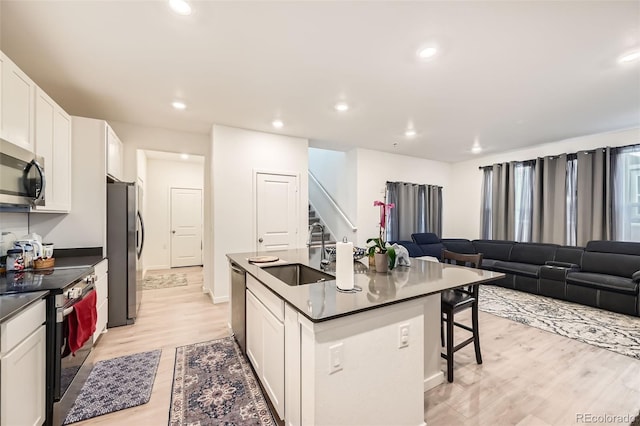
(116,384)
(214,385)
(153,282)
(607,330)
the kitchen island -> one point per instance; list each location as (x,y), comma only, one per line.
(364,357)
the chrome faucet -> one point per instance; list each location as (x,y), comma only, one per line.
(323,254)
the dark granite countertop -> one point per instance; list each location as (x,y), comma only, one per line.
(12,304)
(77,261)
(74,258)
(322,301)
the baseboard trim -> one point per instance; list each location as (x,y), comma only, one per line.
(433,381)
(222,299)
(156,267)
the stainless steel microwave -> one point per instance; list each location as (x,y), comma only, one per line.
(22,179)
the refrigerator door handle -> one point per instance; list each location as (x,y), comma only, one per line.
(140,242)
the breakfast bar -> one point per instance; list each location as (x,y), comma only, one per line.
(362,357)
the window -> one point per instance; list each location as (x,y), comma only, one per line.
(523,202)
(626,193)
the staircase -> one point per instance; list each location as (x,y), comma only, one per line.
(316,235)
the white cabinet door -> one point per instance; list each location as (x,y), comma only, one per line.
(273,360)
(115,154)
(53,143)
(254,331)
(22,382)
(265,349)
(17,98)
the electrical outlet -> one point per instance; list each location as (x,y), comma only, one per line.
(335,358)
(403,335)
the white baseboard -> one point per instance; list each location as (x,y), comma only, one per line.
(222,299)
(433,381)
(156,267)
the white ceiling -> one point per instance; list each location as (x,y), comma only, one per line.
(508,73)
(173,156)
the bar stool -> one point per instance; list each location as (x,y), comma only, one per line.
(454,301)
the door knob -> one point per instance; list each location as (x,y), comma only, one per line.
(173,232)
(260,240)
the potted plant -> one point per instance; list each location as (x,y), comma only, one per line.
(384,254)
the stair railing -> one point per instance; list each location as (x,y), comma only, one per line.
(328,200)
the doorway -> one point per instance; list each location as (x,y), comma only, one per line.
(186,227)
(161,173)
(276,211)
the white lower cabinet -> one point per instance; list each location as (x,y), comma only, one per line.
(102,297)
(23,369)
(265,342)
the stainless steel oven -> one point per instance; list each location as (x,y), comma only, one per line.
(69,370)
(22,179)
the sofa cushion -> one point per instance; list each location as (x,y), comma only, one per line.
(621,265)
(517,268)
(459,245)
(493,249)
(425,238)
(569,254)
(533,253)
(603,282)
(488,264)
(434,250)
(621,247)
(412,248)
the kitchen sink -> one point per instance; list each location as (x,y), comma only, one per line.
(297,274)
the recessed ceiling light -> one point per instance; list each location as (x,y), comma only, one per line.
(178,105)
(629,57)
(181,7)
(184,156)
(427,52)
(410,133)
(341,106)
(277,124)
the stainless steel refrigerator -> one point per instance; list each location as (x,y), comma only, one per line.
(125,238)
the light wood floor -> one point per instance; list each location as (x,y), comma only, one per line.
(168,318)
(529,377)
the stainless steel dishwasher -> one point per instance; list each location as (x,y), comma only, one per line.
(238,317)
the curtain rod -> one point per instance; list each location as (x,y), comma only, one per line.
(569,154)
(411,183)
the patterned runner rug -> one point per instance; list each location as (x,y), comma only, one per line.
(214,385)
(609,330)
(116,384)
(153,282)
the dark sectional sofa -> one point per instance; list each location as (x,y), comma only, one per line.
(604,274)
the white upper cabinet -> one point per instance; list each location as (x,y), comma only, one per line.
(53,143)
(115,154)
(17,110)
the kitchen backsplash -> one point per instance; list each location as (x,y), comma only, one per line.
(17,223)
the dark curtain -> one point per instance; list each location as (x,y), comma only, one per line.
(594,192)
(502,202)
(550,200)
(418,208)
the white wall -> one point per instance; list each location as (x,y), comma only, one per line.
(16,223)
(237,153)
(336,172)
(163,175)
(463,205)
(375,168)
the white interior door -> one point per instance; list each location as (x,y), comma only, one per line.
(276,211)
(186,227)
